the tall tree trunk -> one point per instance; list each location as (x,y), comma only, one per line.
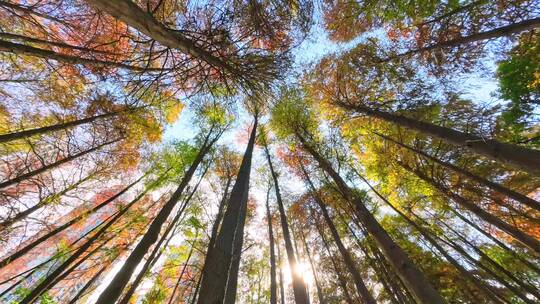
(320,293)
(217,222)
(339,273)
(54,165)
(219,258)
(60,126)
(273,282)
(519,235)
(281,285)
(232,280)
(23,49)
(347,258)
(184,267)
(51,277)
(483,181)
(521,158)
(19,253)
(80,294)
(413,278)
(299,289)
(507,30)
(113,291)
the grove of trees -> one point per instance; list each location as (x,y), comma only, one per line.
(269,151)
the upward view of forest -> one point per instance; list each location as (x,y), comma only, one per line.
(269,151)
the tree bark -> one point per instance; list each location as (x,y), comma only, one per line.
(56,164)
(413,278)
(273,282)
(518,157)
(483,181)
(218,261)
(113,291)
(320,294)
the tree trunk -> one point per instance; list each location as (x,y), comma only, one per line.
(218,261)
(273,282)
(521,158)
(113,291)
(56,164)
(77,298)
(22,49)
(281,285)
(299,289)
(483,181)
(60,126)
(19,253)
(320,294)
(232,280)
(519,235)
(413,278)
(184,267)
(514,28)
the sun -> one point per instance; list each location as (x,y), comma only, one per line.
(302,269)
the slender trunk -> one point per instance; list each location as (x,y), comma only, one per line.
(413,278)
(522,158)
(197,287)
(48,200)
(181,276)
(519,235)
(54,165)
(347,258)
(486,290)
(19,253)
(22,49)
(503,31)
(87,286)
(320,294)
(299,289)
(60,126)
(113,291)
(154,256)
(483,181)
(273,282)
(342,281)
(51,278)
(219,258)
(281,285)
